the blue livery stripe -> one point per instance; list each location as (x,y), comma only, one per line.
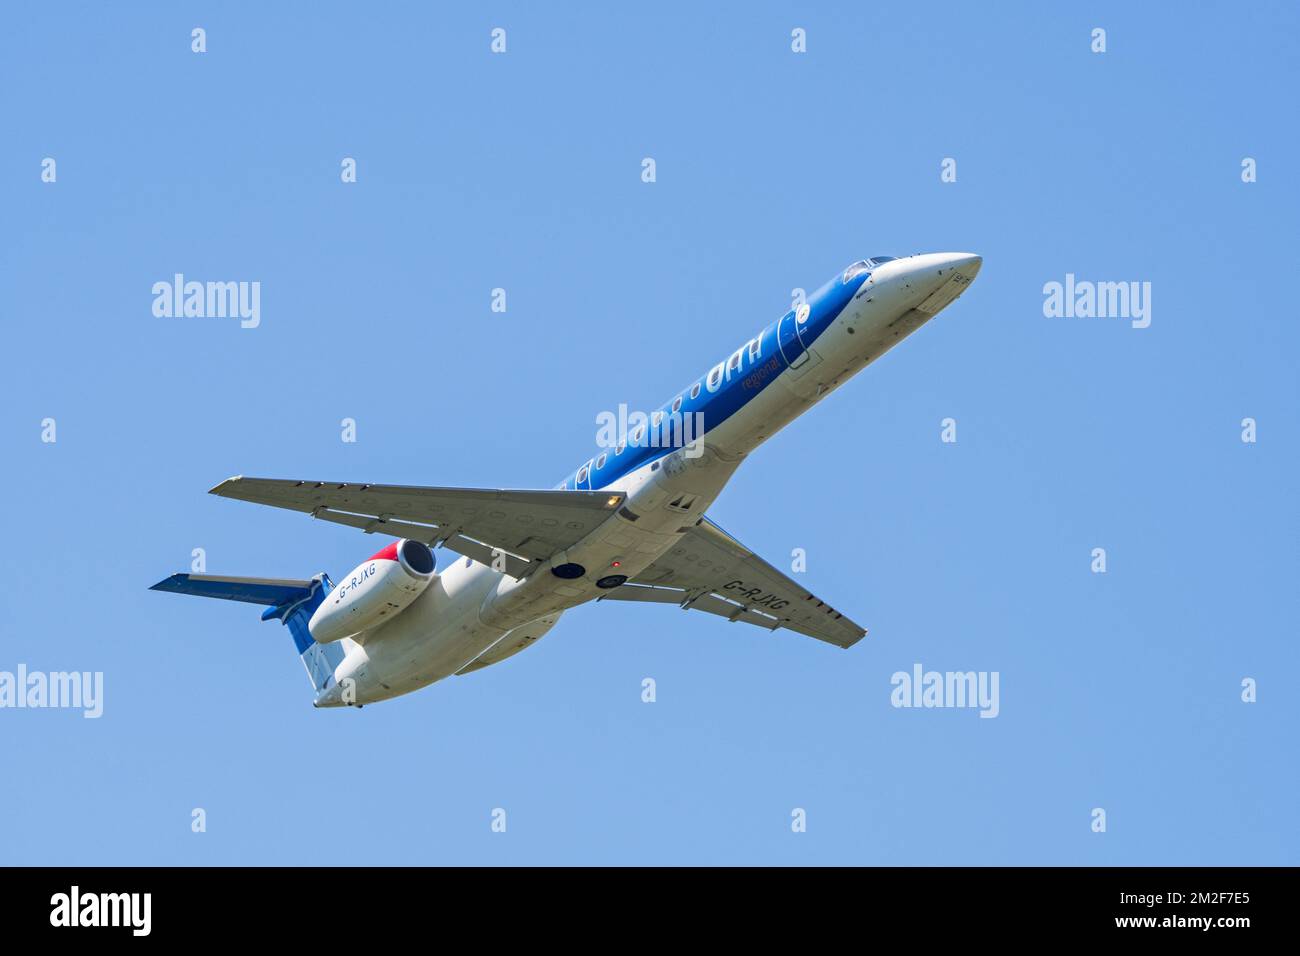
(738,387)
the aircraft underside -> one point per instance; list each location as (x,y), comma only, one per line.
(628,525)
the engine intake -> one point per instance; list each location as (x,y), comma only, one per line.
(375,591)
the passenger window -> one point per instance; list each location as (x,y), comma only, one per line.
(734,362)
(582,474)
(677,404)
(753,348)
(637,436)
(695,391)
(655,419)
(600,462)
(618,451)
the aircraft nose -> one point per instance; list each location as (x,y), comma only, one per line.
(939,267)
(935,279)
(966,264)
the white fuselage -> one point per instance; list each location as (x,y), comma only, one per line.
(472,615)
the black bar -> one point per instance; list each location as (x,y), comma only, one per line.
(334,905)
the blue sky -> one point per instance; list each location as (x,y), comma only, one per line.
(774,170)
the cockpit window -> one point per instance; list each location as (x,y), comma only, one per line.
(879,260)
(857,269)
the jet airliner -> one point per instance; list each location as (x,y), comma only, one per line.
(628,524)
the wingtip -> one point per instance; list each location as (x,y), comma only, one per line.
(217,489)
(854,642)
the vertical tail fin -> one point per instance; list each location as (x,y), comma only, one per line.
(319,659)
(288,601)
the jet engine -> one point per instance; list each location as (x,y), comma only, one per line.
(375,591)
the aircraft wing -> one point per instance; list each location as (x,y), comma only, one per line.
(709,570)
(527,526)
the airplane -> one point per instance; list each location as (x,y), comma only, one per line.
(628,524)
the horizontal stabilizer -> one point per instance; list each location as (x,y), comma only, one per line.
(272,592)
(291,602)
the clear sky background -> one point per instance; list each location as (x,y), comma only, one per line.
(775,170)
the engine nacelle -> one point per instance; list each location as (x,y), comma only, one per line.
(374,592)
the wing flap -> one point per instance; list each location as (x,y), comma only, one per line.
(709,603)
(641,592)
(713,604)
(514,565)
